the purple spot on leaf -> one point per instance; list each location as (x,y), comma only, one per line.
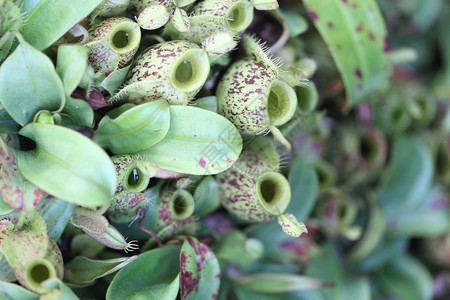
(202,162)
(358,73)
(313,15)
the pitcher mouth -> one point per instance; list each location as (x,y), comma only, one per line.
(190,70)
(281,103)
(39,271)
(371,147)
(135,180)
(307,97)
(182,204)
(240,16)
(125,37)
(274,192)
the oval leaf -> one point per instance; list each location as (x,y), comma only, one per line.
(136,129)
(49,20)
(15,291)
(29,83)
(200,271)
(279,282)
(198,142)
(357,38)
(149,271)
(114,80)
(408,177)
(56,214)
(80,111)
(60,289)
(328,267)
(67,165)
(161,291)
(6,272)
(305,188)
(85,270)
(406,278)
(71,62)
(153,17)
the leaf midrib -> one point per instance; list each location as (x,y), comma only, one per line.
(101,137)
(75,171)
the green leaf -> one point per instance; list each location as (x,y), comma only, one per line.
(150,270)
(357,38)
(406,278)
(200,271)
(136,129)
(305,188)
(278,282)
(208,103)
(64,292)
(114,80)
(80,111)
(4,208)
(408,176)
(85,270)
(428,219)
(56,214)
(161,291)
(346,286)
(388,249)
(245,294)
(296,23)
(206,197)
(7,124)
(199,142)
(11,291)
(29,83)
(71,63)
(67,165)
(49,20)
(6,272)
(426,13)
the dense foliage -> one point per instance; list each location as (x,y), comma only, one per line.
(224,149)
